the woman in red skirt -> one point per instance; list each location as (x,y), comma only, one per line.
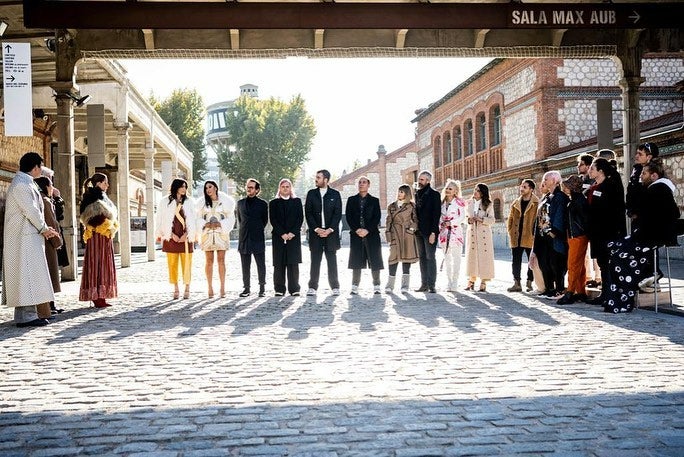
(100,222)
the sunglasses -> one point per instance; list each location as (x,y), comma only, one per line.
(647,146)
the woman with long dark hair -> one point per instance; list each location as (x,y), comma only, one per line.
(100,222)
(480,247)
(606,199)
(51,244)
(176,228)
(215,220)
(400,232)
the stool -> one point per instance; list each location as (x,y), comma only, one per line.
(669,275)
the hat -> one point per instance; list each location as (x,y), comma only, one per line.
(574,183)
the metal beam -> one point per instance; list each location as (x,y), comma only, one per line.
(292,15)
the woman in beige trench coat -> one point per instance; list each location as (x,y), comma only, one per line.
(400,230)
(479,247)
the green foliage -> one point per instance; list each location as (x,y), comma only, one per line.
(270,140)
(183,111)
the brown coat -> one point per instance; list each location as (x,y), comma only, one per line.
(400,229)
(52,244)
(527,239)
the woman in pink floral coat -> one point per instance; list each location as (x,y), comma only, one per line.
(451,231)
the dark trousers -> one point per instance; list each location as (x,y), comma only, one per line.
(279,271)
(356,277)
(405,268)
(260,259)
(553,265)
(315,272)
(428,262)
(517,262)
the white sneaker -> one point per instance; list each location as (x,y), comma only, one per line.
(354,290)
(311,292)
(376,289)
(336,292)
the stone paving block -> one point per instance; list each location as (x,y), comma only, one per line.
(50,452)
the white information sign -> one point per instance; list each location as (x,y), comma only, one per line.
(16,81)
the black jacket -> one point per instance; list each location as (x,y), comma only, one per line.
(606,215)
(578,215)
(286,216)
(252,219)
(364,252)
(658,217)
(429,210)
(331,207)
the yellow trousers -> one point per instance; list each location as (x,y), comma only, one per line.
(185,265)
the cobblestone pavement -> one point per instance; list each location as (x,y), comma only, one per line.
(389,375)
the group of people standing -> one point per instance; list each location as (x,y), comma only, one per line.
(583,217)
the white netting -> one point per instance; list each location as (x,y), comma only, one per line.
(595,51)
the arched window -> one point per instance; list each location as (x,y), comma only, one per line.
(437,153)
(498,213)
(496,125)
(458,143)
(447,148)
(481,132)
(468,127)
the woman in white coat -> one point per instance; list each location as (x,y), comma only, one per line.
(215,220)
(176,228)
(480,250)
(451,237)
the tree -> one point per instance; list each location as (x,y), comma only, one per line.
(270,140)
(183,112)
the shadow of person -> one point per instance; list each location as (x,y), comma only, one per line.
(366,311)
(310,314)
(266,312)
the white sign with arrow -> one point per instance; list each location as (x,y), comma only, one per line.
(16,81)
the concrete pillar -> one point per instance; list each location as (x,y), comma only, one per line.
(65,177)
(604,113)
(113,193)
(382,171)
(124,199)
(149,203)
(167,176)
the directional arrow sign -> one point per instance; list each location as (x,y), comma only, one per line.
(16,68)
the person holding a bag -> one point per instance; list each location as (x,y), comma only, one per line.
(451,238)
(53,244)
(176,228)
(215,220)
(100,222)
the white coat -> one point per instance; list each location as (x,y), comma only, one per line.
(480,247)
(226,212)
(25,275)
(166,212)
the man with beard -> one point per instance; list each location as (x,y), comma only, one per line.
(323,212)
(428,210)
(252,216)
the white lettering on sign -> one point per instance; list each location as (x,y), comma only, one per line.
(16,80)
(563,17)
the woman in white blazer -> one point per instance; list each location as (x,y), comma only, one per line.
(215,220)
(176,228)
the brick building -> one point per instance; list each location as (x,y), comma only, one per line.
(517,118)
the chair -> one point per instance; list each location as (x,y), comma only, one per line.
(679,230)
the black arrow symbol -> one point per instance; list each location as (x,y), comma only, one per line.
(11,78)
(8,48)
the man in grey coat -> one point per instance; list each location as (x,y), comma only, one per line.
(25,275)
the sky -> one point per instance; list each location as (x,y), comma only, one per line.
(356,104)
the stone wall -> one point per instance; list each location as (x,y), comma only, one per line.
(519,130)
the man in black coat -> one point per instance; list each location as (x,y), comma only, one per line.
(287,217)
(252,216)
(365,248)
(428,210)
(323,212)
(632,258)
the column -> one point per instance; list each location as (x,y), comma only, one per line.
(124,198)
(149,203)
(65,177)
(167,176)
(382,172)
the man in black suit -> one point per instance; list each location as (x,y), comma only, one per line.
(323,211)
(252,216)
(365,248)
(428,210)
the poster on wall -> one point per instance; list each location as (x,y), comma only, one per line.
(16,83)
